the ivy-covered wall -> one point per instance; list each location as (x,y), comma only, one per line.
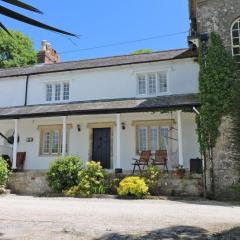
(217,86)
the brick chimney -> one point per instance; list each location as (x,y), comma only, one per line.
(47,54)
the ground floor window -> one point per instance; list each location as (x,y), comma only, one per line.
(152,138)
(51,140)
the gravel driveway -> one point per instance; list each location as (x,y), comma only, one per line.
(107,219)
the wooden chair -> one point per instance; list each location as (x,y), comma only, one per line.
(160,159)
(21,156)
(142,161)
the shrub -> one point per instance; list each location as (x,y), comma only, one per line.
(111,184)
(152,177)
(63,173)
(90,181)
(4,172)
(133,187)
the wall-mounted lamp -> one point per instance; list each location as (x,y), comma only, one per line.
(123,126)
(79,127)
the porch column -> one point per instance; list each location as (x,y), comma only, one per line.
(118,163)
(64,136)
(180,141)
(14,163)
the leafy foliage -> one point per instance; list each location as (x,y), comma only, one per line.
(4,172)
(90,181)
(133,187)
(141,51)
(112,183)
(63,173)
(16,50)
(216,82)
(152,177)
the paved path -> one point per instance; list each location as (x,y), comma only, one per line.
(108,219)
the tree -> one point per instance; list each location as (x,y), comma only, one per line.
(16,50)
(22,18)
(141,51)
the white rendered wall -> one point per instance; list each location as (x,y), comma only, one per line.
(115,82)
(79,141)
(12,91)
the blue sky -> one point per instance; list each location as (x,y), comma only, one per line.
(103,22)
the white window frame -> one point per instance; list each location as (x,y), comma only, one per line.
(138,137)
(49,93)
(157,83)
(232,38)
(57,92)
(148,140)
(66,93)
(51,129)
(61,95)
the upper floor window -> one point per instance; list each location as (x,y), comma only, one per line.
(236,37)
(152,83)
(49,92)
(57,92)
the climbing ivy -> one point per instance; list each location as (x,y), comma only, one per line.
(216,83)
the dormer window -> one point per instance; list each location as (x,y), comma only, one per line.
(236,37)
(152,84)
(57,92)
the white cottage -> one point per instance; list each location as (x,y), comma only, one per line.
(107,109)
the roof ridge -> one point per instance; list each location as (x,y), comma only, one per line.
(92,59)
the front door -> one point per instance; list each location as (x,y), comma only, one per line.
(101,146)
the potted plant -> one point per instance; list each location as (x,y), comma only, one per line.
(179,171)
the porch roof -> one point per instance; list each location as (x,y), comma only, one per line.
(101,107)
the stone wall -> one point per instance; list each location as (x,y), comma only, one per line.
(34,183)
(190,186)
(217,16)
(225,167)
(29,183)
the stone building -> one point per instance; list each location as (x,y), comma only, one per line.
(222,17)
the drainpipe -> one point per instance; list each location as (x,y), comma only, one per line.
(26,91)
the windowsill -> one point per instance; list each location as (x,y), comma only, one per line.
(152,96)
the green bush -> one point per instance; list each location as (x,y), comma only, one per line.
(63,173)
(111,184)
(133,187)
(152,177)
(4,172)
(90,181)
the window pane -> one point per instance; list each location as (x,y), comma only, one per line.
(164,138)
(236,50)
(55,142)
(66,91)
(57,92)
(153,138)
(236,38)
(49,92)
(141,84)
(46,143)
(142,139)
(152,84)
(162,82)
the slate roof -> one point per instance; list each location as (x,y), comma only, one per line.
(98,63)
(102,107)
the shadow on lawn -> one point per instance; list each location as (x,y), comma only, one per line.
(177,233)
